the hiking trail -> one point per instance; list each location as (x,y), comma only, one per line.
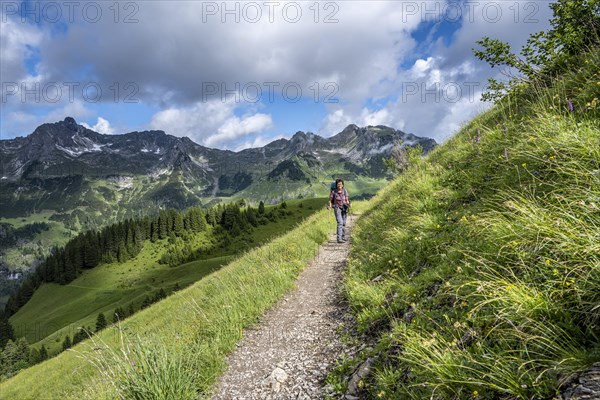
(293,347)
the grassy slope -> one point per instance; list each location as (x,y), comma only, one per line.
(188,334)
(487,256)
(57,310)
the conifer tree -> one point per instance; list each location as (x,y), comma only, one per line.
(66,343)
(101,322)
(6,331)
(43,353)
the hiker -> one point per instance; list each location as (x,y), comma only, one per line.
(339,199)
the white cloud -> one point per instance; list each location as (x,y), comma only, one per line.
(22,123)
(212,123)
(379,117)
(236,127)
(17,44)
(197,121)
(102,126)
(175,55)
(335,122)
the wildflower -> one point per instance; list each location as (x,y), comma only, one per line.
(552,158)
(524,165)
(570,105)
(547,262)
(475,393)
(505,153)
(536,173)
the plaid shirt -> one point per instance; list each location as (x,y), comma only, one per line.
(339,199)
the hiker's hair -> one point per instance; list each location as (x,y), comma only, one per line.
(338,180)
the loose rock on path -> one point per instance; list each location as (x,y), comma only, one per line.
(288,354)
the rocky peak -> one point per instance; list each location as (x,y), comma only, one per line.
(70,122)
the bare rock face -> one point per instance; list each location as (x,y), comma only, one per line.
(587,386)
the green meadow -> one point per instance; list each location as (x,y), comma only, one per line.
(56,311)
(188,334)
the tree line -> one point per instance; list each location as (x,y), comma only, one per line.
(120,242)
(124,240)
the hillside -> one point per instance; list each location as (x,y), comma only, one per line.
(58,310)
(473,275)
(183,339)
(476,273)
(74,179)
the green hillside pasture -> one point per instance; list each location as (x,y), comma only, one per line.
(478,270)
(55,310)
(180,342)
(58,310)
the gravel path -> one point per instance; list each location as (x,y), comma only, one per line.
(288,354)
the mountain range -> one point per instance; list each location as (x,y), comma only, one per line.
(59,157)
(74,178)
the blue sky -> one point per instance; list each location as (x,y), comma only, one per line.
(235,74)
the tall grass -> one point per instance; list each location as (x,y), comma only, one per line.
(487,253)
(176,348)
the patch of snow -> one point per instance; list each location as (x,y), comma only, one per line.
(339,150)
(69,151)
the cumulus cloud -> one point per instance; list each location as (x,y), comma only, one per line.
(236,127)
(18,42)
(184,59)
(22,123)
(212,123)
(102,126)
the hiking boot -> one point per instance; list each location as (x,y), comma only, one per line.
(341,241)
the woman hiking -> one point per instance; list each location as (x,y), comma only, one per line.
(338,198)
